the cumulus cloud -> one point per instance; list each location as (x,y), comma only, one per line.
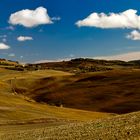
(126,19)
(4,46)
(30,18)
(24,38)
(134,35)
(124,57)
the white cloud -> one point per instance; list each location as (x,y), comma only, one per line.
(134,35)
(4,46)
(55,60)
(11,55)
(21,57)
(56,18)
(30,18)
(126,19)
(124,57)
(4,40)
(10,28)
(24,38)
(72,55)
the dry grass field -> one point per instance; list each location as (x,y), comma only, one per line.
(51,105)
(19,106)
(124,127)
(115,91)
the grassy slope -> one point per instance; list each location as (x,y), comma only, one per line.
(116,91)
(44,121)
(18,108)
(119,127)
(13,108)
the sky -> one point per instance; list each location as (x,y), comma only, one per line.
(48,30)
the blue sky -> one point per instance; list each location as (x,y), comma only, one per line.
(64,39)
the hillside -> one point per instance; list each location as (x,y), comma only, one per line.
(18,108)
(8,62)
(83,65)
(119,127)
(54,104)
(115,91)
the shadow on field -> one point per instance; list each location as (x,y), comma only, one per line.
(115,91)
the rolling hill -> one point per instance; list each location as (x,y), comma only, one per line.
(116,91)
(70,102)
